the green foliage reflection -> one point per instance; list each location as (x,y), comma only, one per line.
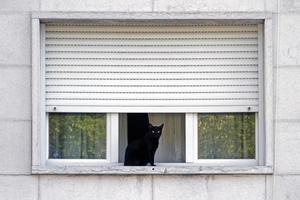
(77,136)
(226,136)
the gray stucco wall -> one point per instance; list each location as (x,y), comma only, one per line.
(16,181)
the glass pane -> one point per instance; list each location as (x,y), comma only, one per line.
(77,136)
(171,148)
(226,136)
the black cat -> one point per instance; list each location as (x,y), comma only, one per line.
(141,152)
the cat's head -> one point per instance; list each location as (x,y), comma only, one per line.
(155,131)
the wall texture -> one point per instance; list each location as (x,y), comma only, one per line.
(287,162)
(16,181)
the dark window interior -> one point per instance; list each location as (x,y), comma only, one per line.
(137,125)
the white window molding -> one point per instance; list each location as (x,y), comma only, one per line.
(192,146)
(112,135)
(161,169)
(39,161)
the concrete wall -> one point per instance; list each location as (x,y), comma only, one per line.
(16,181)
(287,152)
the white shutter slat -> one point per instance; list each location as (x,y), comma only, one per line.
(132,61)
(149,36)
(152,56)
(155,42)
(150,82)
(154,102)
(156,28)
(154,96)
(158,89)
(151,65)
(153,75)
(155,69)
(144,48)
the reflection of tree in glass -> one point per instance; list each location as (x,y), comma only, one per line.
(77,136)
(226,136)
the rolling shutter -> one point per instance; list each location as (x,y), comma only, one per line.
(130,65)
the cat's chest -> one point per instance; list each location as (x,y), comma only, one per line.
(153,143)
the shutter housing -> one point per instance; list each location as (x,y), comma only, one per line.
(152,65)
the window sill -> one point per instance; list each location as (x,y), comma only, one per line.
(160,169)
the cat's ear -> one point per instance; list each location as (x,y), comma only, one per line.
(150,126)
(161,126)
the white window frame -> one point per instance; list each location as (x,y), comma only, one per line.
(192,146)
(112,134)
(264,140)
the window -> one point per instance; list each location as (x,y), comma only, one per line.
(172,141)
(205,80)
(226,136)
(77,136)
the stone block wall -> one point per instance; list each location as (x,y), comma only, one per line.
(16,180)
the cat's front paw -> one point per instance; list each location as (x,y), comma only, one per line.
(153,164)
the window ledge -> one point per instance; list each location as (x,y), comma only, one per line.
(161,169)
